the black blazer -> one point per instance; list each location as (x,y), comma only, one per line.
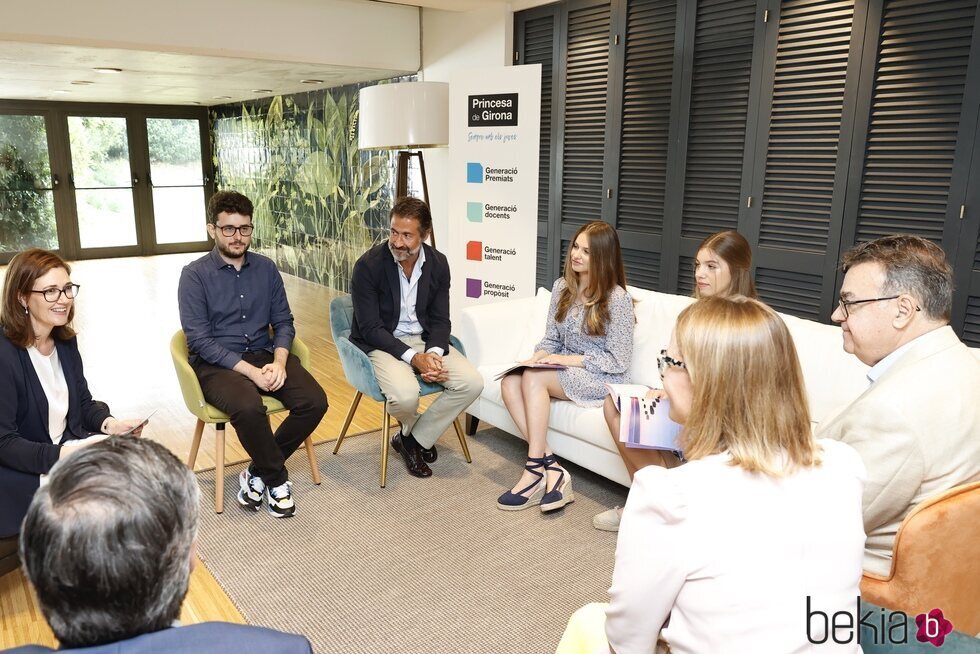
(376,295)
(26,450)
(203,638)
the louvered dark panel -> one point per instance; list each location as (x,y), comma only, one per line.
(585,114)
(541,274)
(646,114)
(976,255)
(971,327)
(804,127)
(915,114)
(794,293)
(685,280)
(642,268)
(539,44)
(719,104)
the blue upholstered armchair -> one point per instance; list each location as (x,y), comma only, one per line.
(360,374)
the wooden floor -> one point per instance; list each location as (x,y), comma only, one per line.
(125,315)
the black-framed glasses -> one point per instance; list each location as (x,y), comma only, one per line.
(229,230)
(844,304)
(54,294)
(664,362)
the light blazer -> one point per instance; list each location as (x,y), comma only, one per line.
(203,638)
(917,428)
(26,450)
(376,295)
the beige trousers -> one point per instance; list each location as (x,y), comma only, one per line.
(400,385)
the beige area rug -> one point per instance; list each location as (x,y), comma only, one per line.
(423,565)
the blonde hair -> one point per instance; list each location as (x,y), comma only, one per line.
(732,248)
(606,272)
(749,395)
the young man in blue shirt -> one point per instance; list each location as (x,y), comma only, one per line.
(229,299)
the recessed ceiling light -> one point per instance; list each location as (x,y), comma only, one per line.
(261,90)
(106,70)
(221,97)
(82,82)
(311,81)
(61,91)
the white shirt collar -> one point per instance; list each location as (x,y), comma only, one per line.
(878,369)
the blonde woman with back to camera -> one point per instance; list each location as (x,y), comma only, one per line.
(722,267)
(728,552)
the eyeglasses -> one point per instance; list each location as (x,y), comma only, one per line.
(844,304)
(54,294)
(664,362)
(229,230)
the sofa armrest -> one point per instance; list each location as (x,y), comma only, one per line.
(492,333)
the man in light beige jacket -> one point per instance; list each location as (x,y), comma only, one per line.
(917,427)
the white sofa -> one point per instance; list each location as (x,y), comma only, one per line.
(496,335)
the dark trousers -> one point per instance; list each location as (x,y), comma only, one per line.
(236,395)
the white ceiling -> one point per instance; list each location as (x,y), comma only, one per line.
(59,66)
(41,71)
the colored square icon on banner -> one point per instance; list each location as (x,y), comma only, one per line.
(474,250)
(473,287)
(474,212)
(474,173)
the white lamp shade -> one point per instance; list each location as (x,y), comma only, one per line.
(404,115)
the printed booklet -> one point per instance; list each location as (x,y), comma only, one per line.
(644,422)
(521,365)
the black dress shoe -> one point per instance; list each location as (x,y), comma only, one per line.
(429,455)
(412,454)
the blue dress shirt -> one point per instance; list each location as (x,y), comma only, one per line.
(226,312)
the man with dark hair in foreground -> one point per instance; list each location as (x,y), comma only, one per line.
(108,545)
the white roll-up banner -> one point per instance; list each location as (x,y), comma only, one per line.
(494,132)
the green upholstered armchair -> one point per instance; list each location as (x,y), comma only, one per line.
(206,413)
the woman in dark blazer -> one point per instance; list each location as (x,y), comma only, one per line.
(36,316)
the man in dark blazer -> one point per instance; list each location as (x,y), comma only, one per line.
(108,544)
(400,292)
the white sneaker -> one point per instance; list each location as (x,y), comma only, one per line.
(281,500)
(252,490)
(608,520)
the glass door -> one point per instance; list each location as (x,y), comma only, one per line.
(103,182)
(177,180)
(27,216)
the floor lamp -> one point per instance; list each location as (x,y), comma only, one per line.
(403,116)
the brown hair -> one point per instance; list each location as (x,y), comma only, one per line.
(913,265)
(749,395)
(409,207)
(605,273)
(228,202)
(736,252)
(25,269)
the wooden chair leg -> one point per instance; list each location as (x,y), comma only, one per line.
(472,422)
(314,468)
(195,444)
(347,421)
(219,468)
(462,440)
(385,434)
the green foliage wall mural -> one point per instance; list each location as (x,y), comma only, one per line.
(319,201)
